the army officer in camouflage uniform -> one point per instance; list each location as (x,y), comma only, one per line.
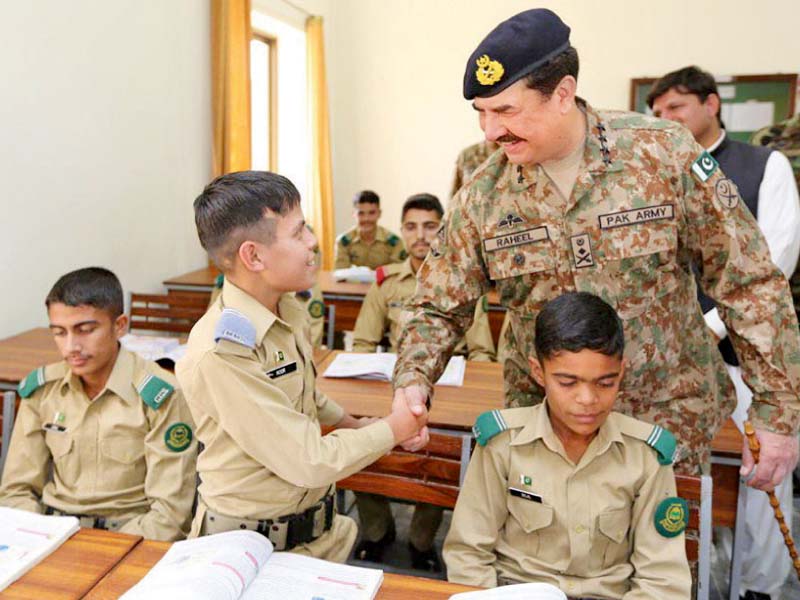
(113,427)
(619,205)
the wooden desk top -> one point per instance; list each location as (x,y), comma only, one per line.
(201,278)
(21,354)
(146,554)
(452,407)
(74,568)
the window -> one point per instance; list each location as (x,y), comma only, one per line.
(263,103)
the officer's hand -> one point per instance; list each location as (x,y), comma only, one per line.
(414,397)
(405,425)
(777,459)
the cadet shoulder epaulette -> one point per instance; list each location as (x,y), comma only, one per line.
(219,281)
(235,327)
(393,240)
(153,390)
(490,423)
(386,271)
(344,239)
(38,377)
(655,436)
(403,254)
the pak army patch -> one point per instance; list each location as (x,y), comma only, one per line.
(671,516)
(178,437)
(704,166)
(316,308)
(727,193)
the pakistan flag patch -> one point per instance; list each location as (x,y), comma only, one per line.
(671,516)
(178,437)
(704,166)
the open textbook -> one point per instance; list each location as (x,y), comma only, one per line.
(241,565)
(26,538)
(379,366)
(166,351)
(360,274)
(521,591)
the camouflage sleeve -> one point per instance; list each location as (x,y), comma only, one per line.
(751,293)
(371,322)
(458,179)
(449,283)
(480,343)
(341,258)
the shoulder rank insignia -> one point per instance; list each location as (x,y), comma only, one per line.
(488,425)
(704,166)
(218,281)
(663,442)
(316,308)
(32,382)
(393,240)
(235,327)
(345,240)
(154,390)
(671,516)
(178,437)
(380,275)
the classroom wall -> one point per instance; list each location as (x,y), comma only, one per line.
(396,69)
(106,140)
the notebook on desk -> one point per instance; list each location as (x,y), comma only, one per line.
(380,366)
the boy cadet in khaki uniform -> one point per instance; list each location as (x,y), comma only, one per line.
(567,492)
(114,428)
(249,380)
(384,308)
(368,244)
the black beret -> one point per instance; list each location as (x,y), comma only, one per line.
(513,50)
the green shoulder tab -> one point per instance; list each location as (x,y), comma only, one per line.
(403,255)
(655,436)
(218,281)
(671,516)
(32,382)
(393,240)
(488,425)
(485,303)
(344,239)
(154,390)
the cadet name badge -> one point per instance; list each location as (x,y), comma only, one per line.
(178,437)
(519,238)
(635,216)
(671,516)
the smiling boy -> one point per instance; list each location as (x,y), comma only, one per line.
(568,492)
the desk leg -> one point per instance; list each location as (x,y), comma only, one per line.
(737,551)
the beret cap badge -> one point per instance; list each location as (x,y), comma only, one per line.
(489,71)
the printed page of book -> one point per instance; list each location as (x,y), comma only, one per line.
(360,274)
(454,372)
(26,538)
(150,347)
(521,591)
(297,577)
(362,365)
(214,567)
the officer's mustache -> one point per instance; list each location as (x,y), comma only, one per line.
(508,139)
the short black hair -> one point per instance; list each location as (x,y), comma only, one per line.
(422,202)
(366,196)
(91,286)
(578,321)
(688,80)
(232,206)
(545,78)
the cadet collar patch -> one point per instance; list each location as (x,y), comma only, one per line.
(235,327)
(316,309)
(219,281)
(489,71)
(403,255)
(671,516)
(345,240)
(488,425)
(510,220)
(32,382)
(727,193)
(663,442)
(178,437)
(154,390)
(704,166)
(393,240)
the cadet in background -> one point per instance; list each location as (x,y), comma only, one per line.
(367,243)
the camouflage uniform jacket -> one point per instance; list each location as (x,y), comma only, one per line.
(385,248)
(384,308)
(642,210)
(469,159)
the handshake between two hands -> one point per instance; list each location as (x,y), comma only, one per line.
(409,418)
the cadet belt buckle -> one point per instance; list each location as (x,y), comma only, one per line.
(292,530)
(87,521)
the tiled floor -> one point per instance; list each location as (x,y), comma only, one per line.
(397,559)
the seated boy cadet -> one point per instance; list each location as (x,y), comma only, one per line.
(249,379)
(367,244)
(382,312)
(567,492)
(104,435)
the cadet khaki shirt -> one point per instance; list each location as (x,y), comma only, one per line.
(385,249)
(648,203)
(110,456)
(384,308)
(593,533)
(258,414)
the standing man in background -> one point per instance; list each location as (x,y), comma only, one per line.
(368,244)
(765,182)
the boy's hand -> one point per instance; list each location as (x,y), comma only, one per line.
(405,425)
(414,397)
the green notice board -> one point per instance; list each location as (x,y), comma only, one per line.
(749,102)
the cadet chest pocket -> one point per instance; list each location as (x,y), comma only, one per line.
(528,528)
(640,262)
(65,459)
(123,450)
(612,539)
(290,383)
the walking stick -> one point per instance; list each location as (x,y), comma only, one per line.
(755,448)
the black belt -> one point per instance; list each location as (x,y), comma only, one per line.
(299,527)
(90,521)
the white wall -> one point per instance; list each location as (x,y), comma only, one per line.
(105,122)
(396,67)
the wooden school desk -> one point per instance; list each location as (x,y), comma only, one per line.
(136,565)
(73,569)
(20,354)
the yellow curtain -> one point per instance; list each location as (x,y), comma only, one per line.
(321,176)
(230,81)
